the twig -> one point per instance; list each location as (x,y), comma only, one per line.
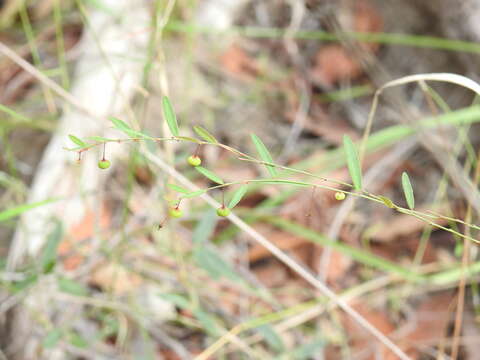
(29,68)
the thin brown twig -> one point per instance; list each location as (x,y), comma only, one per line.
(25,65)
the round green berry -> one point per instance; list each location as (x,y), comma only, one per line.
(104,164)
(223,211)
(194,160)
(175,212)
(340,196)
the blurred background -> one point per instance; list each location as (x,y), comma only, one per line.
(92,266)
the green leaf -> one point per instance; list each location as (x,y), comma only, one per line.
(306,351)
(205,135)
(120,125)
(49,255)
(99,139)
(208,322)
(77,141)
(208,174)
(264,154)
(353,162)
(213,263)
(408,190)
(237,196)
(125,128)
(178,300)
(178,189)
(72,287)
(193,194)
(52,338)
(187,138)
(25,283)
(205,227)
(169,116)
(272,338)
(77,340)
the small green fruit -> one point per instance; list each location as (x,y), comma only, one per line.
(104,164)
(340,196)
(223,211)
(194,160)
(175,212)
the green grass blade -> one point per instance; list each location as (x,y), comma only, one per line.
(169,116)
(205,135)
(353,162)
(77,141)
(18,210)
(408,190)
(422,41)
(14,114)
(359,255)
(209,174)
(264,154)
(49,255)
(238,196)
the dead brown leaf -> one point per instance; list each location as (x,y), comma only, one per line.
(115,278)
(271,274)
(281,239)
(237,62)
(75,246)
(334,64)
(362,341)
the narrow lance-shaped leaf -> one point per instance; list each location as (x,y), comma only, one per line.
(264,154)
(353,162)
(193,194)
(408,190)
(169,116)
(188,138)
(100,139)
(119,124)
(205,135)
(178,188)
(208,174)
(77,141)
(125,128)
(237,196)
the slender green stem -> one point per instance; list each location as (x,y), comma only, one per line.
(425,217)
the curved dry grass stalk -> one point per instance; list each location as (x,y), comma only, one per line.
(451,167)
